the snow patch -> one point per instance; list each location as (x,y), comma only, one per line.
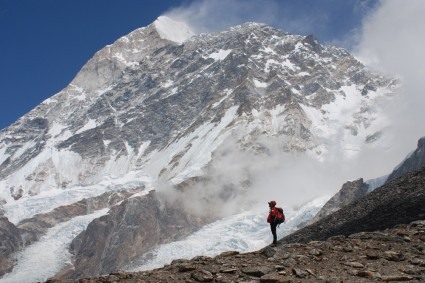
(220,55)
(56,129)
(91,124)
(259,84)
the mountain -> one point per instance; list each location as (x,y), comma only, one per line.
(161,109)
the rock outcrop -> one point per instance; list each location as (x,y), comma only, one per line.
(10,242)
(127,232)
(32,228)
(351,191)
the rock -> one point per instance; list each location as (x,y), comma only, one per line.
(202,276)
(417,261)
(290,262)
(354,264)
(391,278)
(372,256)
(179,261)
(187,267)
(299,273)
(257,271)
(418,223)
(316,252)
(269,252)
(347,248)
(393,256)
(366,274)
(229,253)
(310,272)
(231,270)
(338,238)
(275,278)
(302,258)
(200,258)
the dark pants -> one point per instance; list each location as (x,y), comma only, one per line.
(273,228)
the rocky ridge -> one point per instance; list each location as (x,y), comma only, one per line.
(350,191)
(413,161)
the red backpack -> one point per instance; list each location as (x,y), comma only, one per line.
(280,217)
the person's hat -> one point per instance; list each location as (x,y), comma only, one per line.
(272,203)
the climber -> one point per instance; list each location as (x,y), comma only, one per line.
(276,217)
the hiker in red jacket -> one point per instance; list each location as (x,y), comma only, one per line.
(272,220)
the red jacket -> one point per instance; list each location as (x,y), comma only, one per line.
(272,215)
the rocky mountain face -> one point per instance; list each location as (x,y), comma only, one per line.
(349,192)
(151,109)
(343,247)
(127,232)
(9,244)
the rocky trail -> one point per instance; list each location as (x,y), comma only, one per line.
(391,255)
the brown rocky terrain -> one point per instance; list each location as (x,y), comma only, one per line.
(342,247)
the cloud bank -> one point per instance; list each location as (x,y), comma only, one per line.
(392,41)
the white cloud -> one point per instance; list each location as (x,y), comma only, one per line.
(392,40)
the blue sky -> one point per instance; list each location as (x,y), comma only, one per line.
(44,43)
